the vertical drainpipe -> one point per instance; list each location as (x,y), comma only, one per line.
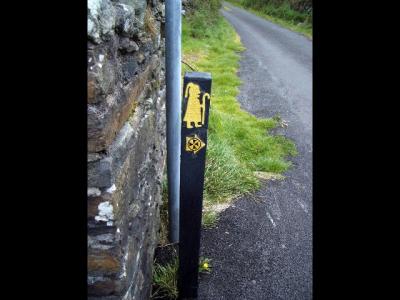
(173,10)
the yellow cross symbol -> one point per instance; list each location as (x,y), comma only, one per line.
(194,144)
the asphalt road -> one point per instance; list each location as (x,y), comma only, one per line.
(262,247)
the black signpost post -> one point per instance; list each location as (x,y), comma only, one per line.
(195,111)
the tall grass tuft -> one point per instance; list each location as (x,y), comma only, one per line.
(165,280)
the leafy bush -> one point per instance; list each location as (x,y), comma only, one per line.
(297,11)
(201,16)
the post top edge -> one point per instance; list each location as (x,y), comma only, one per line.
(198,75)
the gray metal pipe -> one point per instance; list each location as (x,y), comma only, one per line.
(173,29)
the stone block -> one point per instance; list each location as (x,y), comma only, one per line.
(103,263)
(102,72)
(99,173)
(140,10)
(106,119)
(126,23)
(101,20)
(102,287)
(127,45)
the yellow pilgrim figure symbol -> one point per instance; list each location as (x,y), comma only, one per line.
(195,111)
(194,144)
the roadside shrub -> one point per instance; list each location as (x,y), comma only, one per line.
(201,16)
(296,11)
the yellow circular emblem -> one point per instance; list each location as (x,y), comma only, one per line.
(194,144)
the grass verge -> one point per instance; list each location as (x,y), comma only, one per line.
(282,15)
(239,144)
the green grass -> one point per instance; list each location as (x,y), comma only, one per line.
(209,219)
(238,142)
(165,280)
(282,15)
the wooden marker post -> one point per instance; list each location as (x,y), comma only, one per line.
(195,110)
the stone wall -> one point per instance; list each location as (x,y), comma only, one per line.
(126,144)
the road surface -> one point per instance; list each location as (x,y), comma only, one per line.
(262,247)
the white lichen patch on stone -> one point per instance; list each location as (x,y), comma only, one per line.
(101,57)
(111,189)
(93,5)
(105,213)
(93,109)
(93,10)
(110,100)
(123,274)
(124,7)
(93,192)
(94,279)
